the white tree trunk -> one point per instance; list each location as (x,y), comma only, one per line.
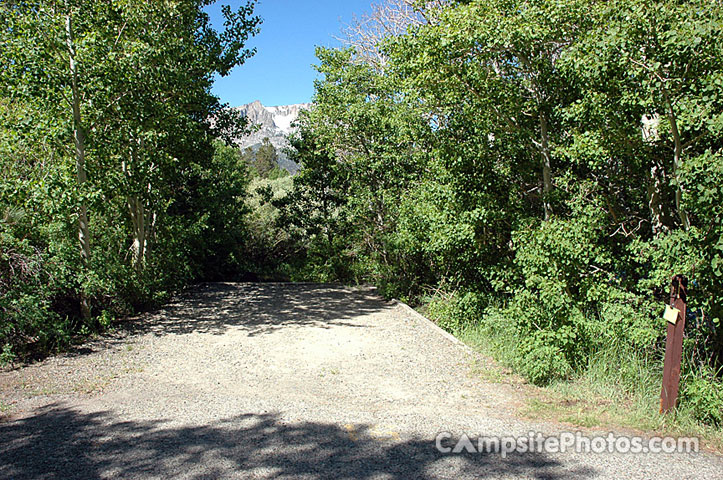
(655,203)
(138,219)
(81,176)
(546,166)
(677,161)
(137,212)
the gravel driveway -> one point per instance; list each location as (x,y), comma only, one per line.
(281,381)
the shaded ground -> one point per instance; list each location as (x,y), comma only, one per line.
(279,381)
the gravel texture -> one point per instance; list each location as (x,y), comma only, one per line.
(281,381)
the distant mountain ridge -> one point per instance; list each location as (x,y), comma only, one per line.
(274,123)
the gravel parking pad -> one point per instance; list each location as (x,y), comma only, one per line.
(281,381)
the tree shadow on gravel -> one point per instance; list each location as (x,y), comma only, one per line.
(60,442)
(258,308)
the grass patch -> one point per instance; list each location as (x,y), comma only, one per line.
(566,410)
(615,391)
(595,403)
(487,373)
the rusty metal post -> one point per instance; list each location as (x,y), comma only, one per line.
(674,345)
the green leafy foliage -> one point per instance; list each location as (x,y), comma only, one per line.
(263,162)
(544,167)
(106,133)
(702,392)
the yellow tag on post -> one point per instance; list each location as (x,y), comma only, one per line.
(671,314)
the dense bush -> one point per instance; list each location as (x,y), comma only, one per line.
(25,295)
(702,392)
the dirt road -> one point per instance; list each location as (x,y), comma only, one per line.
(281,381)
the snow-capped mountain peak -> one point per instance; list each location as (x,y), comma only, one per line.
(274,123)
(283,116)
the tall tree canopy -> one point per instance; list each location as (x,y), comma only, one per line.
(106,127)
(547,165)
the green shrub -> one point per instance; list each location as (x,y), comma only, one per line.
(459,311)
(26,289)
(541,361)
(702,393)
(7,355)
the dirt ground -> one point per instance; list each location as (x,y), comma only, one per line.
(281,381)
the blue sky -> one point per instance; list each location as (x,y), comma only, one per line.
(281,72)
